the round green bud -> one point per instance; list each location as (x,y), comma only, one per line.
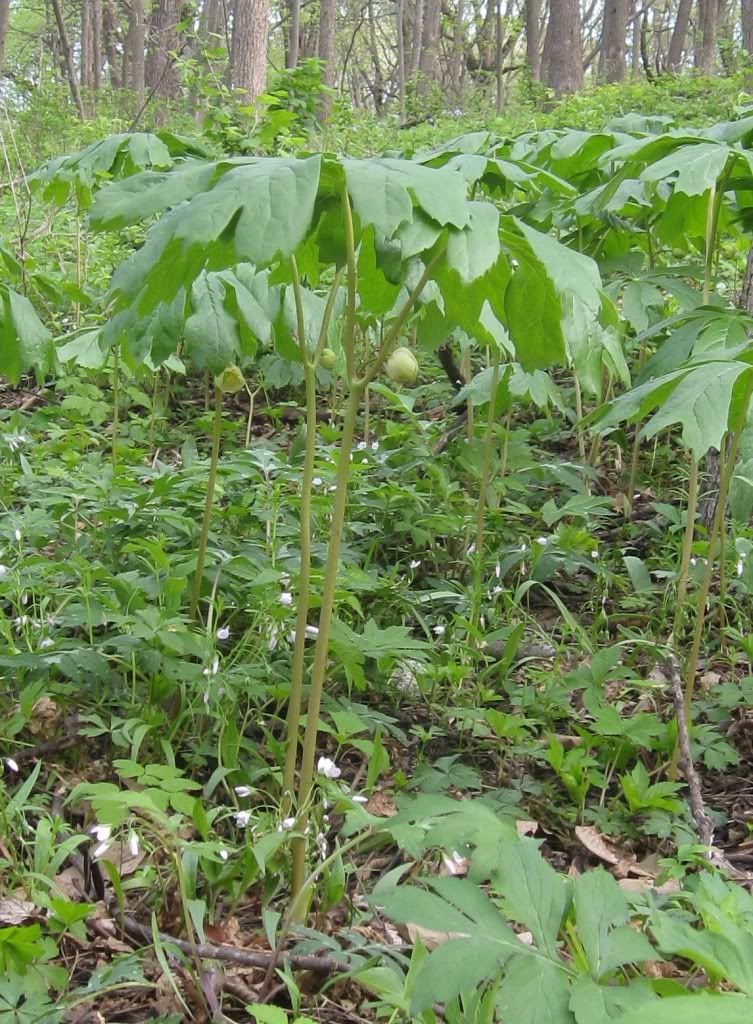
(402,367)
(230,380)
(327,359)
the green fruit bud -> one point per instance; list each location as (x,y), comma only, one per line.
(327,359)
(230,380)
(402,367)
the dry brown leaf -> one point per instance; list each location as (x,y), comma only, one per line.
(709,679)
(120,855)
(227,932)
(644,884)
(15,912)
(526,828)
(430,938)
(72,885)
(381,805)
(596,844)
(456,865)
(44,718)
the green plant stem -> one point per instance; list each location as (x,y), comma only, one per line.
(115,406)
(700,618)
(319,667)
(635,458)
(687,546)
(204,536)
(505,444)
(486,463)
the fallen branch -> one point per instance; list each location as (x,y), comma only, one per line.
(229,954)
(703,822)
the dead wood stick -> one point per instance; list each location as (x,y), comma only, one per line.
(230,954)
(704,824)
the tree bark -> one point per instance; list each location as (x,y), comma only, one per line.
(96,45)
(249,48)
(293,35)
(614,29)
(325,50)
(70,69)
(134,71)
(533,40)
(400,35)
(679,37)
(563,58)
(427,64)
(746,25)
(705,46)
(4,14)
(110,43)
(418,29)
(86,58)
(498,55)
(161,75)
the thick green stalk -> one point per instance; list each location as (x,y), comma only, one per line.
(296,679)
(204,536)
(687,546)
(716,528)
(486,463)
(115,405)
(319,667)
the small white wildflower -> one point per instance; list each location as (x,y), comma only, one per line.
(471,550)
(206,692)
(332,487)
(242,818)
(312,631)
(11,764)
(286,599)
(439,630)
(325,819)
(215,665)
(497,590)
(20,621)
(594,555)
(375,446)
(361,446)
(273,638)
(3,571)
(498,570)
(133,844)
(327,767)
(325,804)
(740,567)
(542,540)
(415,562)
(224,855)
(524,569)
(17,534)
(285,579)
(101,850)
(46,642)
(358,799)
(694,561)
(242,791)
(524,546)
(364,462)
(286,824)
(321,842)
(223,633)
(317,481)
(101,832)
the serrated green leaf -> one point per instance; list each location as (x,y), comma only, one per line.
(599,1004)
(534,991)
(699,1009)
(211,334)
(535,895)
(601,913)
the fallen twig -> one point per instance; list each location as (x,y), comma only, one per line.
(704,824)
(229,954)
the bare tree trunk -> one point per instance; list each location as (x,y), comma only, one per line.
(635,53)
(418,29)
(705,47)
(161,75)
(4,13)
(249,48)
(500,93)
(70,70)
(293,34)
(376,64)
(87,59)
(400,26)
(746,25)
(457,58)
(427,64)
(326,48)
(563,57)
(110,43)
(136,44)
(533,39)
(612,56)
(96,45)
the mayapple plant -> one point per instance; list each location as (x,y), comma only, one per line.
(333,262)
